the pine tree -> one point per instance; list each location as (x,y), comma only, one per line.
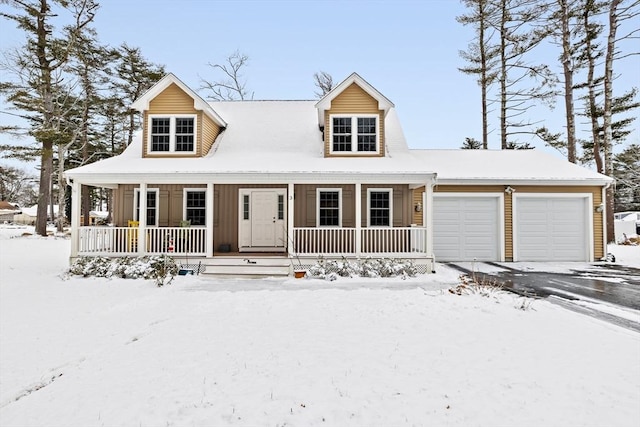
(38,88)
(481,54)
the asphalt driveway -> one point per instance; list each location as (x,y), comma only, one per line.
(603,290)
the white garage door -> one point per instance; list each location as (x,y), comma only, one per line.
(466,228)
(551,229)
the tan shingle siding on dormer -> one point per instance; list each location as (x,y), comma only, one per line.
(353,100)
(209,131)
(172,101)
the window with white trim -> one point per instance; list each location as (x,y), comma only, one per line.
(153,205)
(354,134)
(195,206)
(329,207)
(380,207)
(172,134)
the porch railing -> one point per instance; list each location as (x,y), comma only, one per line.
(396,240)
(324,241)
(124,241)
(380,241)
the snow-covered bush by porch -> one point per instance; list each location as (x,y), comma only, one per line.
(367,267)
(160,268)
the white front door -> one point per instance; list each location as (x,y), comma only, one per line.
(264,207)
(262,219)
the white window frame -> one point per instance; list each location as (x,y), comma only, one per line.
(328,190)
(136,196)
(380,190)
(354,134)
(184,204)
(172,133)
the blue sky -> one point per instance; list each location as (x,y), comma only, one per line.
(408,50)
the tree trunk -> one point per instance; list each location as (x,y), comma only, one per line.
(503,76)
(607,140)
(46,158)
(568,81)
(483,79)
(591,84)
(46,166)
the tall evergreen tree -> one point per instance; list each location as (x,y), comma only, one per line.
(626,170)
(522,83)
(481,54)
(38,67)
(134,75)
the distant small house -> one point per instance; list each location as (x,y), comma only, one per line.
(626,224)
(28,215)
(7,210)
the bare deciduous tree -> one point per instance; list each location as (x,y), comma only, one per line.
(324,82)
(232,85)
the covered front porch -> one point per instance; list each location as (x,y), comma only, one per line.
(239,215)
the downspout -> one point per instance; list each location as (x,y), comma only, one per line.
(604,222)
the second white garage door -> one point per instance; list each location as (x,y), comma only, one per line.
(551,229)
(466,228)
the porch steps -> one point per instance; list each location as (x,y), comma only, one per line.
(248,267)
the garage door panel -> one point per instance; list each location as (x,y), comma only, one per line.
(551,229)
(466,228)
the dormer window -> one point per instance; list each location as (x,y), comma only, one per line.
(172,134)
(354,134)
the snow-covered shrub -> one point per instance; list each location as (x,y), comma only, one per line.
(160,268)
(474,284)
(367,267)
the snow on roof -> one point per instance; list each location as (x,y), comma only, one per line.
(33,210)
(507,166)
(283,137)
(325,102)
(266,137)
(5,205)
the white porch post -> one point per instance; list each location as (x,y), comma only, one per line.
(427,215)
(290,212)
(210,219)
(75,218)
(142,218)
(358,196)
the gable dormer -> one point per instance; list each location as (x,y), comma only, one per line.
(177,122)
(352,116)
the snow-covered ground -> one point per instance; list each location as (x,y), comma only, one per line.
(100,352)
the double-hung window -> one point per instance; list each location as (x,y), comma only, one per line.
(172,134)
(151,208)
(354,134)
(329,202)
(195,206)
(380,207)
